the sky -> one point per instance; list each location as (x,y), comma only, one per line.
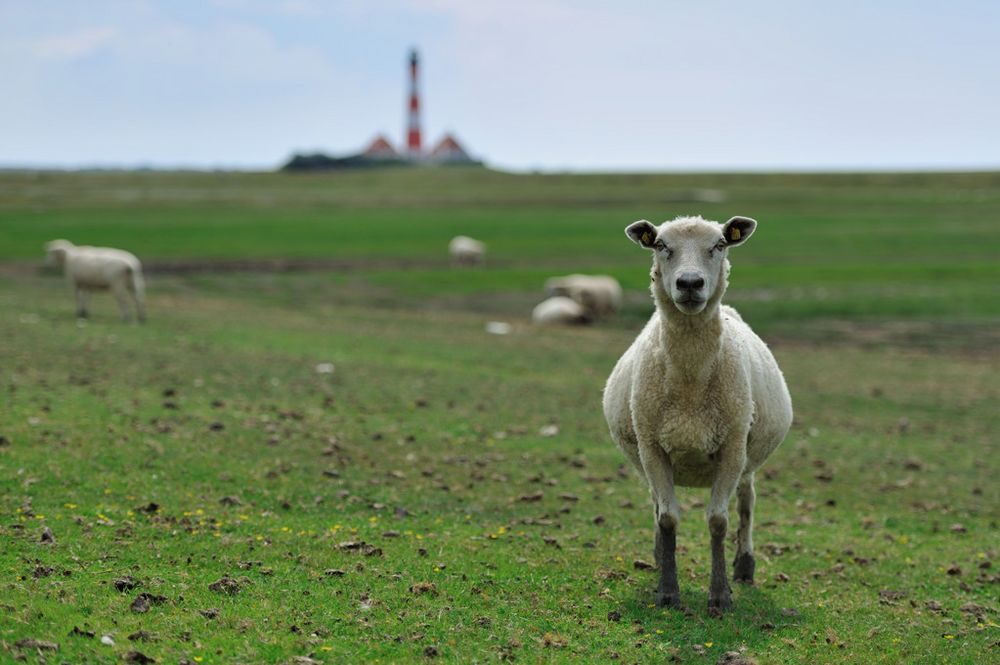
(577,85)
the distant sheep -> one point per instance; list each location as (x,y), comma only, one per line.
(99,269)
(600,295)
(465,251)
(698,399)
(559,310)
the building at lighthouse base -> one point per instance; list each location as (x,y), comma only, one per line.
(380,152)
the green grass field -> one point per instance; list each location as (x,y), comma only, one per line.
(405,507)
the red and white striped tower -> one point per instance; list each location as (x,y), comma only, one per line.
(413,114)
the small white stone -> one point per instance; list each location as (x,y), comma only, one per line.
(324,368)
(106,639)
(548,430)
(498,328)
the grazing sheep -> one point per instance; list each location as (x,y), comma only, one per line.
(698,399)
(465,251)
(559,309)
(600,295)
(98,269)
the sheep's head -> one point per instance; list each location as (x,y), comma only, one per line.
(689,256)
(55,252)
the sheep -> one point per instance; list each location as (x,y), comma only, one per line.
(100,268)
(559,309)
(697,400)
(600,295)
(466,251)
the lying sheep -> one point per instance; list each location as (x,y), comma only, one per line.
(559,309)
(98,269)
(698,399)
(600,295)
(465,251)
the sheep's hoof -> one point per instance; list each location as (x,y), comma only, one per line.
(719,602)
(672,600)
(743,568)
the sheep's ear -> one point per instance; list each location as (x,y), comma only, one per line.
(737,230)
(642,233)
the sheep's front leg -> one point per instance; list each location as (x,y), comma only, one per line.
(81,303)
(660,477)
(732,459)
(744,564)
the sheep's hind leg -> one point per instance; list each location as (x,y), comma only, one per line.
(660,477)
(121,295)
(744,564)
(138,289)
(81,303)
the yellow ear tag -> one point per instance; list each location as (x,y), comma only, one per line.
(734,233)
(645,237)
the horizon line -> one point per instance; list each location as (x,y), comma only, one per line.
(530,170)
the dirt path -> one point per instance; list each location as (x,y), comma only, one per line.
(181,266)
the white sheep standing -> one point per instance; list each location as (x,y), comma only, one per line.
(99,269)
(559,309)
(600,295)
(698,399)
(466,251)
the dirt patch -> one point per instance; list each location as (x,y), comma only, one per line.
(40,645)
(278,265)
(973,338)
(228,585)
(127,583)
(183,266)
(144,601)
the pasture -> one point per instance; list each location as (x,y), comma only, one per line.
(217,494)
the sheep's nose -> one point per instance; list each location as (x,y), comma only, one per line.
(689,281)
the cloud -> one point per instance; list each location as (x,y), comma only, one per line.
(70,46)
(174,90)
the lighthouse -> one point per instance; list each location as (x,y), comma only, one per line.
(381,152)
(413,113)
